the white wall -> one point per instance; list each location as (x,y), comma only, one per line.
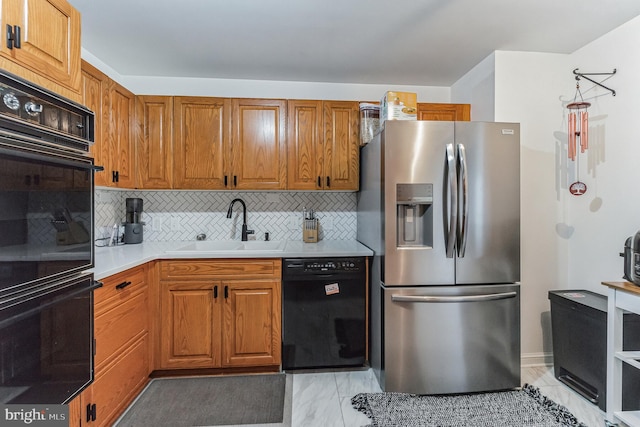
(529,88)
(568,242)
(142,85)
(610,211)
(477,87)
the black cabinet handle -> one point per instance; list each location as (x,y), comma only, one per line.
(235,181)
(91,412)
(226,180)
(13,37)
(215,291)
(123,285)
(16,33)
(319,182)
(328,182)
(115,176)
(226,292)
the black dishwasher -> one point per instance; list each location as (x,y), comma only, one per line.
(324,312)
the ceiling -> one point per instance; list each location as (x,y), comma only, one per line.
(404,42)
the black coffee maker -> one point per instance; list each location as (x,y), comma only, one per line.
(133,225)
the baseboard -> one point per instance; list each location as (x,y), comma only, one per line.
(529,360)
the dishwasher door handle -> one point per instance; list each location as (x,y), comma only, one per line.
(462,298)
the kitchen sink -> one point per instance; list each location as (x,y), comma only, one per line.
(217,246)
(261,245)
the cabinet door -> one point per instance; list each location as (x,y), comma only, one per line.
(305,144)
(190,325)
(444,112)
(201,141)
(121,138)
(115,387)
(341,145)
(154,135)
(251,323)
(75,411)
(259,152)
(94,97)
(50,39)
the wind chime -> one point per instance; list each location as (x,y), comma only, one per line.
(578,132)
(578,122)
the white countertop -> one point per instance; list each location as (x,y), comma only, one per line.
(115,259)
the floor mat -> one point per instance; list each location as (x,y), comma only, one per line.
(209,401)
(520,408)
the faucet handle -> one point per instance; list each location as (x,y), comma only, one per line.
(201,236)
(251,231)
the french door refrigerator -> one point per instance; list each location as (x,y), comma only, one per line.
(439,204)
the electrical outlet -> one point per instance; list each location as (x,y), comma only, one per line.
(294,222)
(156,224)
(327,223)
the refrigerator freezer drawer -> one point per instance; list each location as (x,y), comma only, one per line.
(451,339)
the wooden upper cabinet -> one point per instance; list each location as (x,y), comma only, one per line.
(323,145)
(121,137)
(48,53)
(258,145)
(94,97)
(341,153)
(444,112)
(201,142)
(154,140)
(305,144)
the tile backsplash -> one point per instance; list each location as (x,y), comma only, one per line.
(182,215)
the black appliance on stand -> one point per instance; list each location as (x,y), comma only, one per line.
(46,244)
(133,227)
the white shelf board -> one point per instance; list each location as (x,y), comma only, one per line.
(632,418)
(630,357)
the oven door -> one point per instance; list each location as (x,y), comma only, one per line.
(46,212)
(46,342)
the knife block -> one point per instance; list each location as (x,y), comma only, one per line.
(310,230)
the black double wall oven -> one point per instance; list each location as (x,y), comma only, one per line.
(46,243)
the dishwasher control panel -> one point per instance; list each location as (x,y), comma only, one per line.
(323,265)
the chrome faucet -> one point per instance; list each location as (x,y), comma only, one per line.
(245,232)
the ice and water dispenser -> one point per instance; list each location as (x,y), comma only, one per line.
(414,215)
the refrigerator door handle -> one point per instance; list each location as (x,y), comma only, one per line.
(453,201)
(463,298)
(463,218)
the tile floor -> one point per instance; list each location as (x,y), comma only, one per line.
(324,399)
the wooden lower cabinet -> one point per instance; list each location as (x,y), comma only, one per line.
(219,314)
(122,366)
(251,323)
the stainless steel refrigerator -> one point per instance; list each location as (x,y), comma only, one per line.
(439,204)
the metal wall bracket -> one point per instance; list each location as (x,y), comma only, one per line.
(584,76)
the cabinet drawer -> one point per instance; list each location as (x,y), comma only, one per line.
(220,269)
(119,324)
(115,387)
(118,288)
